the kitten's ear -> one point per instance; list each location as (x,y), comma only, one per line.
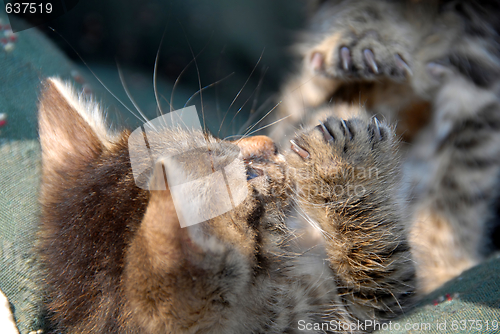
(72,129)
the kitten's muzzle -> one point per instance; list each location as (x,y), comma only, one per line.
(257,147)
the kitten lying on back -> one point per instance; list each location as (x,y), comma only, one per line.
(431,68)
(117,261)
(322,236)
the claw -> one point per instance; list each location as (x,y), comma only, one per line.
(345,56)
(401,64)
(378,132)
(326,134)
(346,129)
(317,61)
(299,150)
(370,60)
(437,70)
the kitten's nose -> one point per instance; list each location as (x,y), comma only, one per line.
(257,146)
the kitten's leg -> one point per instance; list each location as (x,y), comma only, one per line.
(186,280)
(347,177)
(454,172)
(216,276)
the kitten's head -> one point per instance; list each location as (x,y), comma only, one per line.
(104,241)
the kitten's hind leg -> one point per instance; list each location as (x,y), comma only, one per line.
(347,175)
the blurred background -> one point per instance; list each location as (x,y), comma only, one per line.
(242,52)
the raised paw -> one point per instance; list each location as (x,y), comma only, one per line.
(345,174)
(364,44)
(361,59)
(339,156)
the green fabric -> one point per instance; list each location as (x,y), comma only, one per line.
(21,70)
(473,297)
(20,168)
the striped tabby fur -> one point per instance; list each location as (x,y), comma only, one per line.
(432,69)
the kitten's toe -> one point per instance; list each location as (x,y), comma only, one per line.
(377,60)
(345,58)
(402,66)
(326,133)
(317,62)
(370,61)
(377,130)
(358,137)
(299,150)
(338,129)
(335,142)
(363,58)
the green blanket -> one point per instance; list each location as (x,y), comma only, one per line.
(27,59)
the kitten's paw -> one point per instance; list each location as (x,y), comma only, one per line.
(339,157)
(360,57)
(337,142)
(346,187)
(366,43)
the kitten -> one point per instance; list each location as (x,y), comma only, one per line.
(432,69)
(318,245)
(322,239)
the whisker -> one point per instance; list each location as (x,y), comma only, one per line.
(255,91)
(254,114)
(155,72)
(217,102)
(208,86)
(125,88)
(100,81)
(197,72)
(163,97)
(259,86)
(266,126)
(159,111)
(239,92)
(184,70)
(175,85)
(313,223)
(270,111)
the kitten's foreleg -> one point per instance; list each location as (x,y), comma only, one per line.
(347,177)
(192,279)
